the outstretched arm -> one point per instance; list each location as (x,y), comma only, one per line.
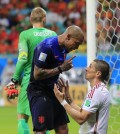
(78,114)
(40,73)
(62,83)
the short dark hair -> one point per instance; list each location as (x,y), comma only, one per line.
(104,68)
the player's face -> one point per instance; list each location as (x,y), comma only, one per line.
(90,72)
(72,44)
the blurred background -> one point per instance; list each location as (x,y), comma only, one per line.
(14,18)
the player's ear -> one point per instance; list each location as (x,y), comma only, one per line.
(98,73)
(44,20)
(68,36)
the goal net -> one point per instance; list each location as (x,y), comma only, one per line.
(108,49)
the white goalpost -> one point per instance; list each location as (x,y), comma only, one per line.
(91,31)
(103,42)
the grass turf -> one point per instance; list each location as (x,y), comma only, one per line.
(8,121)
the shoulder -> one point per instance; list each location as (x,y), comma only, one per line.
(97,91)
(103,89)
(51,32)
(50,41)
(102,93)
(26,32)
(43,46)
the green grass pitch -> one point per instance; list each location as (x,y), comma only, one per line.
(8,121)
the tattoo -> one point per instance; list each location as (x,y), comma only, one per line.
(40,73)
(69,100)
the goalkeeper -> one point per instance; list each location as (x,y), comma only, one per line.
(27,41)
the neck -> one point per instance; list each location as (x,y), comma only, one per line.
(94,82)
(60,40)
(38,25)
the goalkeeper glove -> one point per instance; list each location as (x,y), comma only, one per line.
(12,92)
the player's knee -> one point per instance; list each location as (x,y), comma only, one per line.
(63,129)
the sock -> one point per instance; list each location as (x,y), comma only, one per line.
(23,127)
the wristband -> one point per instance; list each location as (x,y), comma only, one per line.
(14,81)
(64,102)
(59,68)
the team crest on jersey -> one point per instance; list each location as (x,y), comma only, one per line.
(87,102)
(42,56)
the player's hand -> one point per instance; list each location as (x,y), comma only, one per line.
(67,65)
(59,95)
(11,90)
(61,84)
(64,87)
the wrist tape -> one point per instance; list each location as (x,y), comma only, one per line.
(64,102)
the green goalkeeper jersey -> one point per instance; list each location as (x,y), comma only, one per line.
(27,42)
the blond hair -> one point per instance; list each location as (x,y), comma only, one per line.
(37,15)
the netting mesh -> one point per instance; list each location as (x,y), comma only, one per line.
(108,48)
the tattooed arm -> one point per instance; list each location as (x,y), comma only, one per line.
(40,73)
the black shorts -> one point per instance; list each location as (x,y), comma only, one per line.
(47,113)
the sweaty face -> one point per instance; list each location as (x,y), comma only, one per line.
(72,44)
(90,71)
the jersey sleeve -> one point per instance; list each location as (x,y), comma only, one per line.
(42,56)
(22,56)
(92,104)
